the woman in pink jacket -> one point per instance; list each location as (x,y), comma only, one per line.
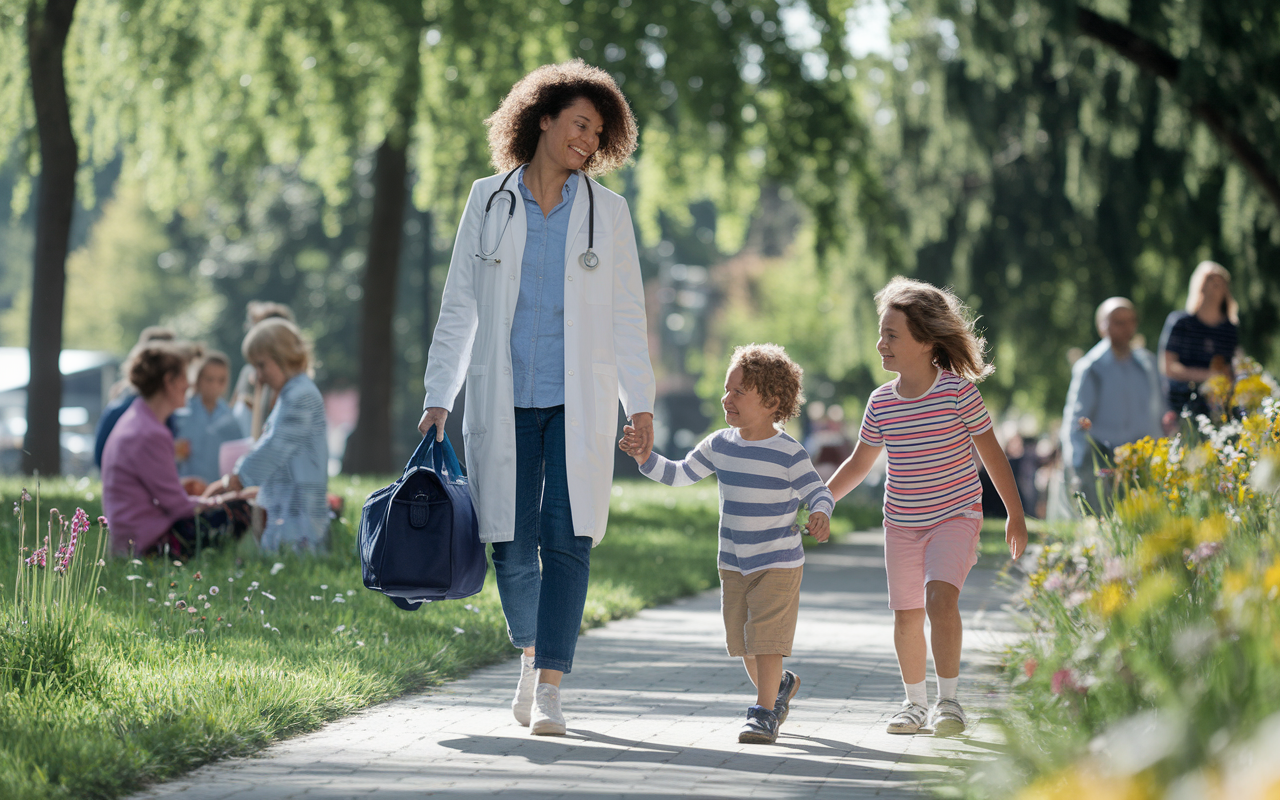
(146,505)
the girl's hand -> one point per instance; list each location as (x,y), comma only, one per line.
(819,526)
(1015,535)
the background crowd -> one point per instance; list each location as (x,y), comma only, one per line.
(183,468)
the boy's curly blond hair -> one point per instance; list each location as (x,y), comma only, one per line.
(776,378)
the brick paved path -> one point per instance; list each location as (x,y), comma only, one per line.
(653,708)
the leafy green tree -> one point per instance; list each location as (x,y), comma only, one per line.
(1040,171)
(225,92)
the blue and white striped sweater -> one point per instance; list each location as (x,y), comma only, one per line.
(762,484)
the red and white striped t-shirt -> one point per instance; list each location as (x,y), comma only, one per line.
(931,474)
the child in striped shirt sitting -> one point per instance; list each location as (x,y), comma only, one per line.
(764,476)
(927,419)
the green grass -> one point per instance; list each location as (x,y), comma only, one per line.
(148,691)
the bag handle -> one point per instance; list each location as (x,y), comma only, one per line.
(439,456)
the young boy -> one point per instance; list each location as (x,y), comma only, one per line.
(207,420)
(764,476)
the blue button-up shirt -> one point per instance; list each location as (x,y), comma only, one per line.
(537,330)
(206,432)
(1120,396)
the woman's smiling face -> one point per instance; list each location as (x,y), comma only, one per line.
(572,137)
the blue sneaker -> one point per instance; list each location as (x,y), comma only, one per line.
(761,726)
(786,690)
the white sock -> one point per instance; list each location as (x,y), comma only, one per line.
(917,692)
(947,687)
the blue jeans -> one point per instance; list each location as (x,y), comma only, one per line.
(543,607)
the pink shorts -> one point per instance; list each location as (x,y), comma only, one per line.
(915,556)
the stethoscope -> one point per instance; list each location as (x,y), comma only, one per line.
(589,260)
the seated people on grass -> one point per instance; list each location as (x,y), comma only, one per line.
(290,462)
(206,422)
(146,505)
(121,395)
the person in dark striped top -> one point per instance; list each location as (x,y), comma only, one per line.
(764,476)
(1193,341)
(929,419)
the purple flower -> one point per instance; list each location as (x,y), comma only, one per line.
(26,497)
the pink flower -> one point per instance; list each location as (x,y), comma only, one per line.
(102,520)
(1205,551)
(1064,680)
(1030,666)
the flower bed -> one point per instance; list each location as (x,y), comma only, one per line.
(1153,668)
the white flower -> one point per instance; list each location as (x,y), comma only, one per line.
(316,597)
(268,595)
(133,577)
(276,567)
(457,630)
(351,593)
(339,599)
(208,605)
(340,629)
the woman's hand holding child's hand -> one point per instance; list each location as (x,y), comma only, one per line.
(634,442)
(819,526)
(1015,535)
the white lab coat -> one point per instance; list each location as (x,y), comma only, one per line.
(606,354)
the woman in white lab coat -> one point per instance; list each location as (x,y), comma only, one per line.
(543,320)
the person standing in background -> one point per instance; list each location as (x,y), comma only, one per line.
(1195,340)
(1114,399)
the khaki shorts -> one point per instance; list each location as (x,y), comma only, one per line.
(760,610)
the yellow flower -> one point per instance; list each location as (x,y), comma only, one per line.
(1080,782)
(1249,393)
(1271,578)
(1212,529)
(1151,594)
(1234,582)
(1169,540)
(1108,600)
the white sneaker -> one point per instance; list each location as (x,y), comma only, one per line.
(523,701)
(547,718)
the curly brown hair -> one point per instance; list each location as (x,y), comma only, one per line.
(770,371)
(939,317)
(515,127)
(152,364)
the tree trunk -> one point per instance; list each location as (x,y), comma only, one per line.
(47,27)
(369,446)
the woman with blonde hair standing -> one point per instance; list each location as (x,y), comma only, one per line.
(1202,338)
(543,319)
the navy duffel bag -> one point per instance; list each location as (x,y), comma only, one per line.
(419,541)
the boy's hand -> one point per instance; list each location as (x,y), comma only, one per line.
(1015,535)
(181,449)
(819,526)
(631,445)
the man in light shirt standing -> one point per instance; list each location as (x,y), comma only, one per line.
(1114,399)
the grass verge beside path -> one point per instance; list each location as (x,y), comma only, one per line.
(176,665)
(270,645)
